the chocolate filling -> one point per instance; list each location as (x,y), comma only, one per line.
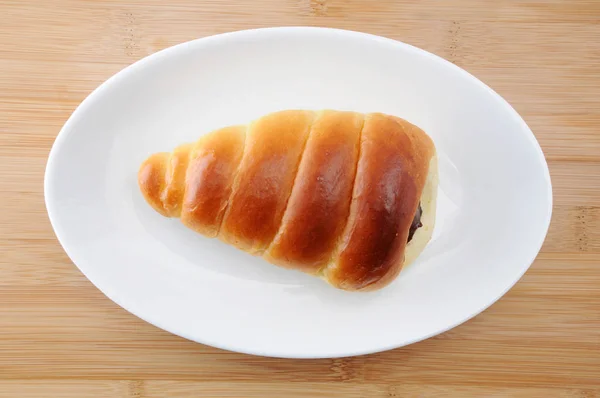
(416,224)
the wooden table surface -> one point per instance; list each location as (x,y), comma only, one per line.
(61,337)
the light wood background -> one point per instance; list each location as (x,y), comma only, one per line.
(60,337)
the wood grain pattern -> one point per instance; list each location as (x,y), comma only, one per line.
(60,337)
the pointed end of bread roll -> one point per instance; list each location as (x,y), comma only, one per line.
(151,180)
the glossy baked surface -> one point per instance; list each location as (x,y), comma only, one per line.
(318,207)
(329,193)
(391,173)
(274,146)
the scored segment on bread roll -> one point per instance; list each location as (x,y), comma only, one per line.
(274,146)
(318,206)
(346,196)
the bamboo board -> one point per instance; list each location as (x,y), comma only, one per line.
(61,337)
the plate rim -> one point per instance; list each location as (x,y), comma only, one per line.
(66,130)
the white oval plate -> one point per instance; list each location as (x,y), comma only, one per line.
(494,208)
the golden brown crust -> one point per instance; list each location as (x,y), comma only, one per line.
(329,193)
(390,177)
(213,166)
(174,188)
(151,178)
(274,145)
(318,206)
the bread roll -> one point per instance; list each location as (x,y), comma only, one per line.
(346,196)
